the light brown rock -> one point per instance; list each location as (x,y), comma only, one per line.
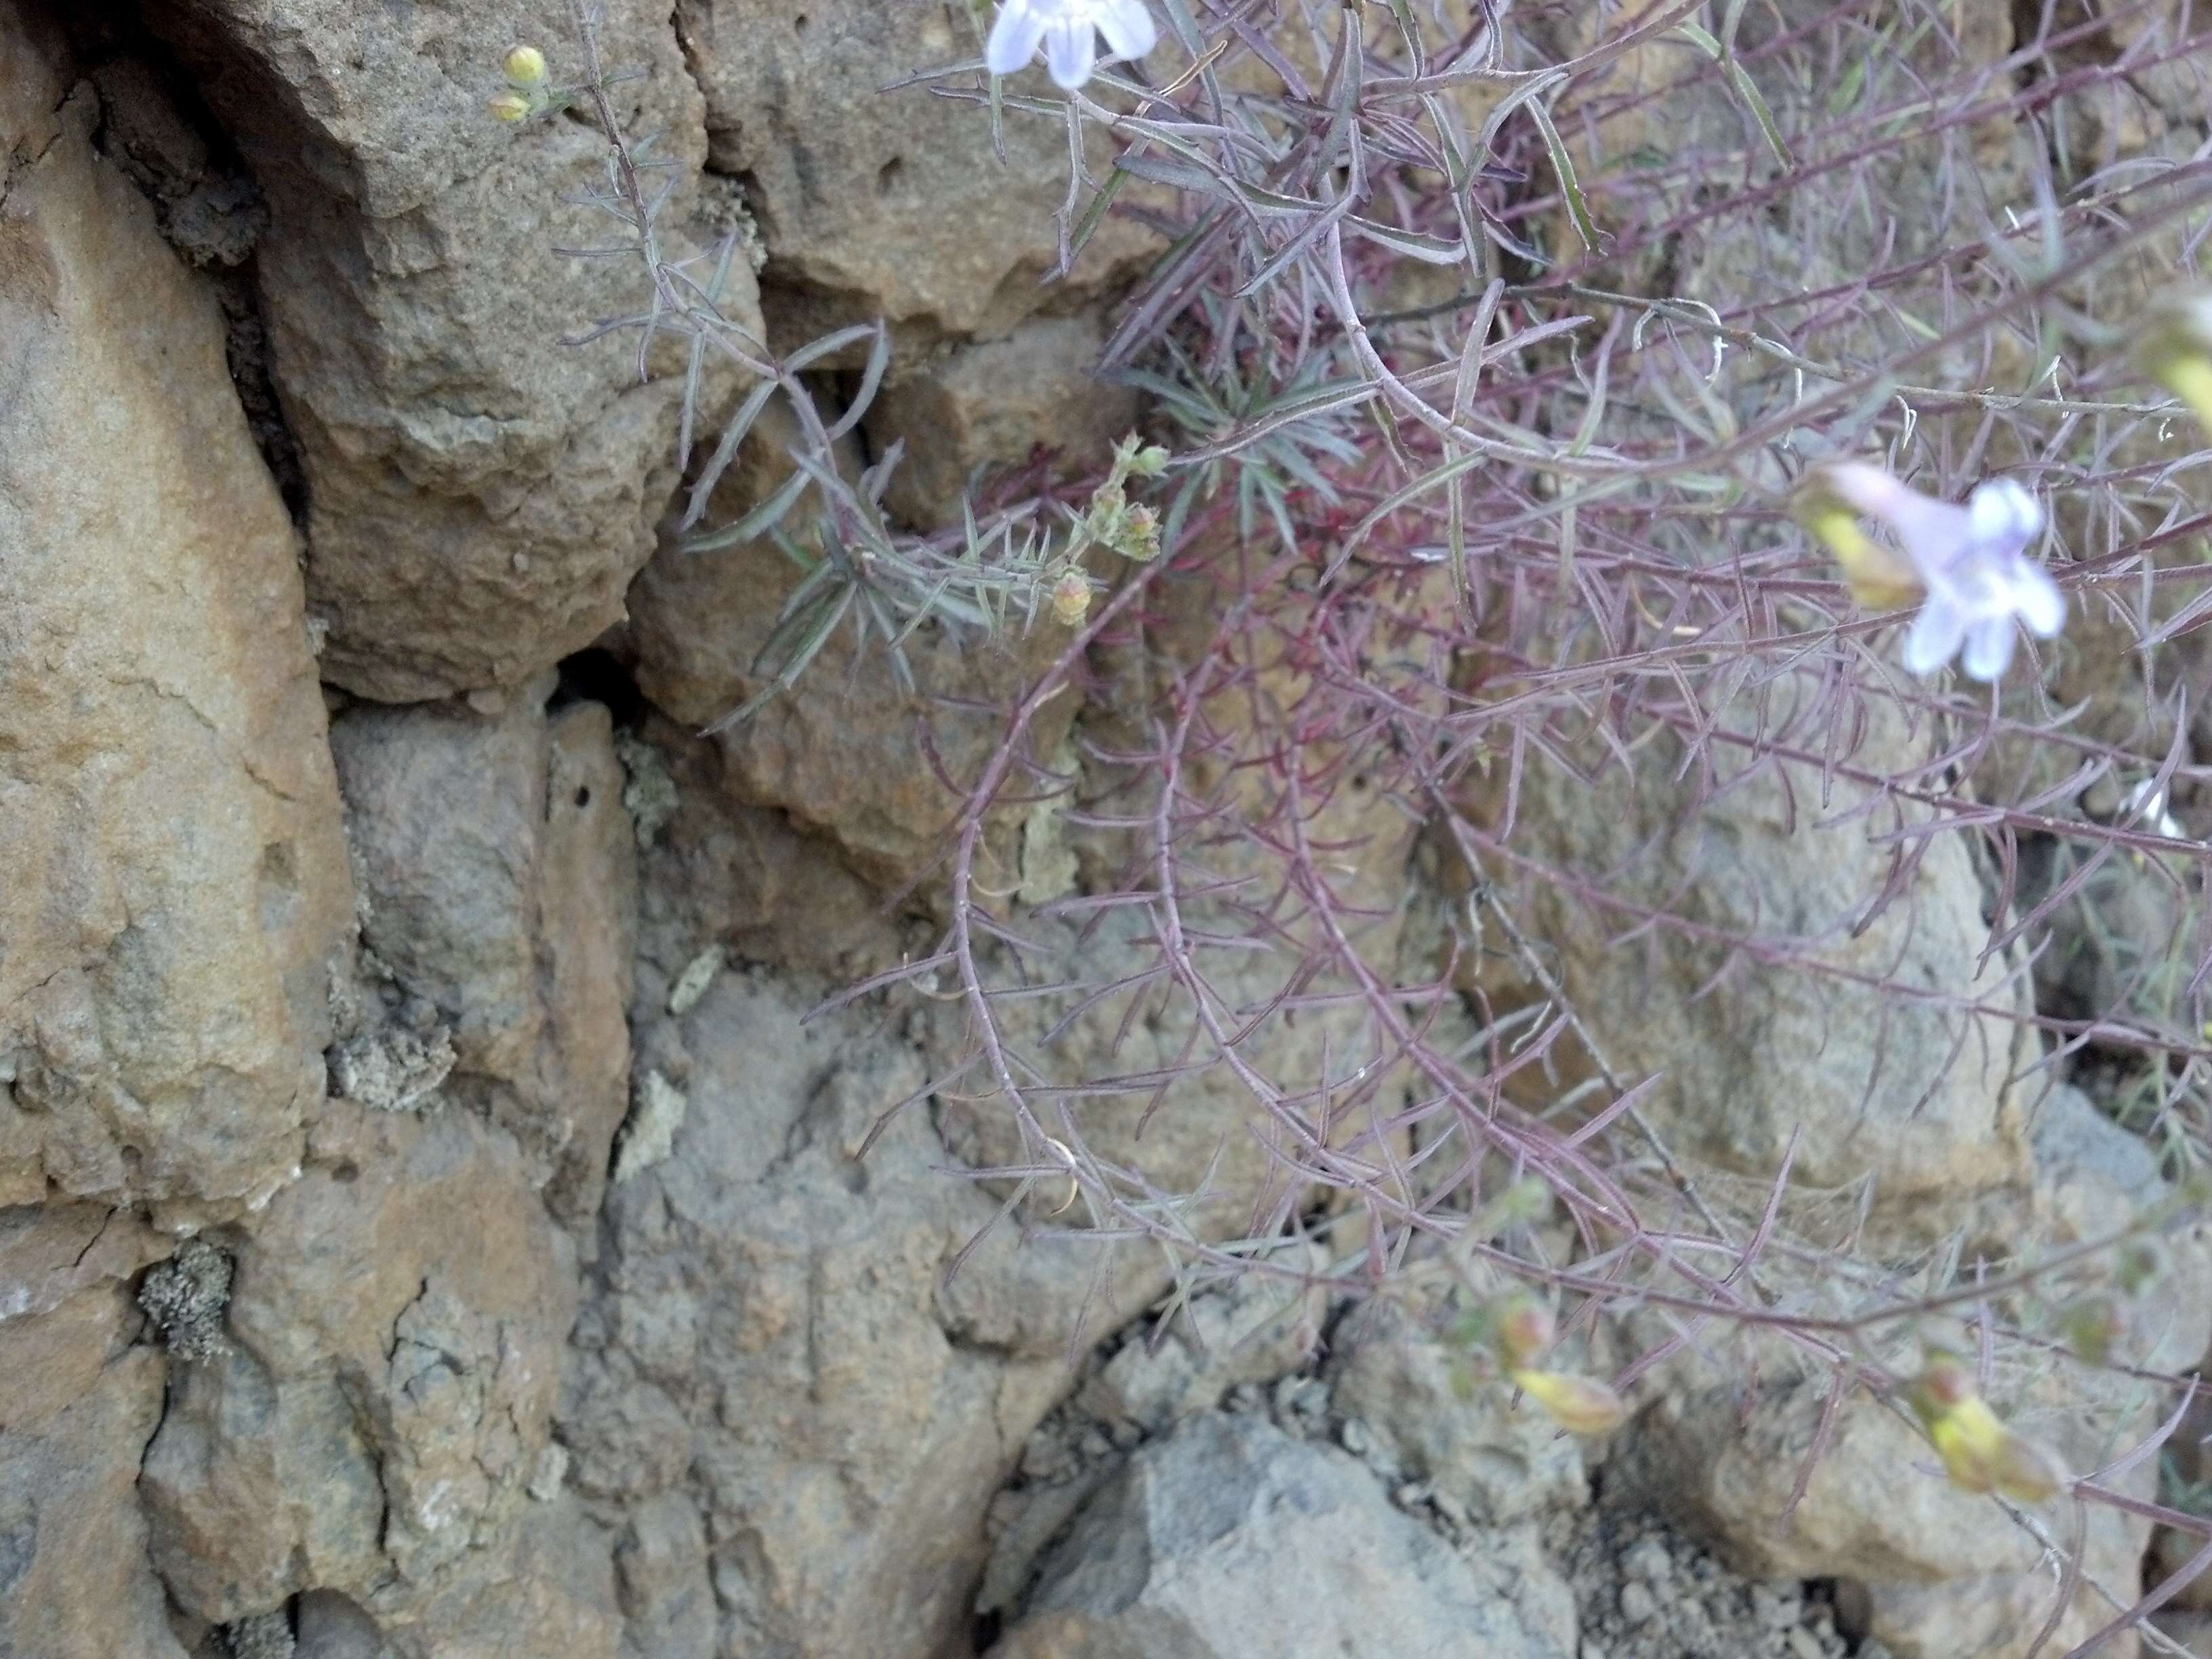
(840,753)
(177,886)
(992,404)
(1917,1097)
(74,1575)
(394,1337)
(1937,1571)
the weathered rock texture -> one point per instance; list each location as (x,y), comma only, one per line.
(479,493)
(177,883)
(898,207)
(1231,1538)
(498,885)
(1799,1049)
(791,1416)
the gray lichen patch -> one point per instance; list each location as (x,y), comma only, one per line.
(655,1115)
(392,1069)
(185,1298)
(259,1635)
(649,796)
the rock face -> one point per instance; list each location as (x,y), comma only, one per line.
(898,207)
(792,1417)
(479,494)
(81,1403)
(432,1225)
(1912,1092)
(178,885)
(498,885)
(1229,1538)
(386,1383)
(1495,1464)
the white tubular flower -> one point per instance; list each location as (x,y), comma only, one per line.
(1065,29)
(1972,561)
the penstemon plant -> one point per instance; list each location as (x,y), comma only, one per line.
(1660,396)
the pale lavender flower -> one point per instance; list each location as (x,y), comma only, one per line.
(1972,561)
(1065,29)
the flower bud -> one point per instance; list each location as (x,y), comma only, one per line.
(1150,462)
(1524,1329)
(511,107)
(1979,1452)
(1580,1405)
(1070,599)
(526,66)
(1138,539)
(2174,348)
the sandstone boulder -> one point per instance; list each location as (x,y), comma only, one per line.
(178,886)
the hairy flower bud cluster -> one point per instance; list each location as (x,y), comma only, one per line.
(527,93)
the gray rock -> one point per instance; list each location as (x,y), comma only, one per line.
(1253,1331)
(1463,1436)
(1228,1539)
(498,874)
(770,1341)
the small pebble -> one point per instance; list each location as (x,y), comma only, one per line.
(1356,1437)
(1649,1561)
(1450,1508)
(1777,1606)
(1044,1458)
(1637,1603)
(1094,1445)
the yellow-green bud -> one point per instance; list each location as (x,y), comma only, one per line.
(1580,1405)
(511,107)
(1148,462)
(1979,1452)
(526,66)
(1139,536)
(2174,348)
(1070,599)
